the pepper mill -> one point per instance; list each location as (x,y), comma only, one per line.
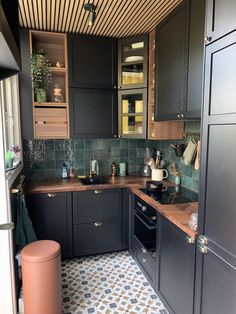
(114,169)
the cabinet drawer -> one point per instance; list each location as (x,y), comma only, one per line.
(96,205)
(50,122)
(145,261)
(97,237)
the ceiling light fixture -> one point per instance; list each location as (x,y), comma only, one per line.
(92,13)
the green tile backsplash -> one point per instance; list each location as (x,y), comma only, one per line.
(43,159)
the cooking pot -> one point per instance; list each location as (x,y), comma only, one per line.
(154,186)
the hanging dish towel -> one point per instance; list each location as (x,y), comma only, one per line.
(189,152)
(24,231)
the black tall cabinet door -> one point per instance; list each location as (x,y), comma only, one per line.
(220,18)
(93,113)
(92,62)
(195,59)
(216,257)
(170,65)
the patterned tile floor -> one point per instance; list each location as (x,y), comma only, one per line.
(107,284)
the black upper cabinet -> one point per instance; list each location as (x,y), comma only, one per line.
(195,59)
(9,39)
(51,215)
(220,18)
(93,113)
(176,269)
(170,65)
(179,60)
(92,62)
(25,83)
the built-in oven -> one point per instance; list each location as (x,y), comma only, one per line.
(145,226)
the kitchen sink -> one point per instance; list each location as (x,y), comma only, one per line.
(94,180)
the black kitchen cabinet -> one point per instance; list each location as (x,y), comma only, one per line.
(195,59)
(176,269)
(93,113)
(92,62)
(216,247)
(125,219)
(179,62)
(220,18)
(25,84)
(51,215)
(131,222)
(97,221)
(170,65)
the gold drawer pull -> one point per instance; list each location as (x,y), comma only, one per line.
(51,194)
(190,240)
(202,248)
(98,224)
(97,191)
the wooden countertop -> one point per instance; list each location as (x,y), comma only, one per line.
(178,214)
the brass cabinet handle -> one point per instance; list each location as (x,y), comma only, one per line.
(202,240)
(202,248)
(207,39)
(97,191)
(51,194)
(190,240)
(98,224)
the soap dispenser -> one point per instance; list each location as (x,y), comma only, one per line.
(64,171)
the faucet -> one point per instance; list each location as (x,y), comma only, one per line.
(93,168)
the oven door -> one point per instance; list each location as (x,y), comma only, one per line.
(145,232)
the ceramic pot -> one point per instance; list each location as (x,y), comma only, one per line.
(41,95)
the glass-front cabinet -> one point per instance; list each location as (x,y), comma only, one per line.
(132,113)
(132,65)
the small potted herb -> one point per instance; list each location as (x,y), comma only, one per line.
(41,73)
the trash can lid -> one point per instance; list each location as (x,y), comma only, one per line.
(40,251)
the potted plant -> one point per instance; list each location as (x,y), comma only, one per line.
(41,73)
(9,159)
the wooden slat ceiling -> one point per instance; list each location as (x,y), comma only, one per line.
(115,18)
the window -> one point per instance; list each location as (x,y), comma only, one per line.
(9,99)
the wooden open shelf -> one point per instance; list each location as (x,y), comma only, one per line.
(165,130)
(51,119)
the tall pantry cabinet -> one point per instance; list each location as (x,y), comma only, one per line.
(216,246)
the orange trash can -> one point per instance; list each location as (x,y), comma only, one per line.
(41,275)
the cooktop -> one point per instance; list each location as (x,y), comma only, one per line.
(173,195)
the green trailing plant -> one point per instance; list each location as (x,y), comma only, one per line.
(40,69)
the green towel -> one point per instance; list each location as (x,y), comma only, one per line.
(24,232)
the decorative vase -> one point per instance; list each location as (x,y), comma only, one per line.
(41,95)
(9,163)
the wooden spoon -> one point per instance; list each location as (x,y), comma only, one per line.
(197,160)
